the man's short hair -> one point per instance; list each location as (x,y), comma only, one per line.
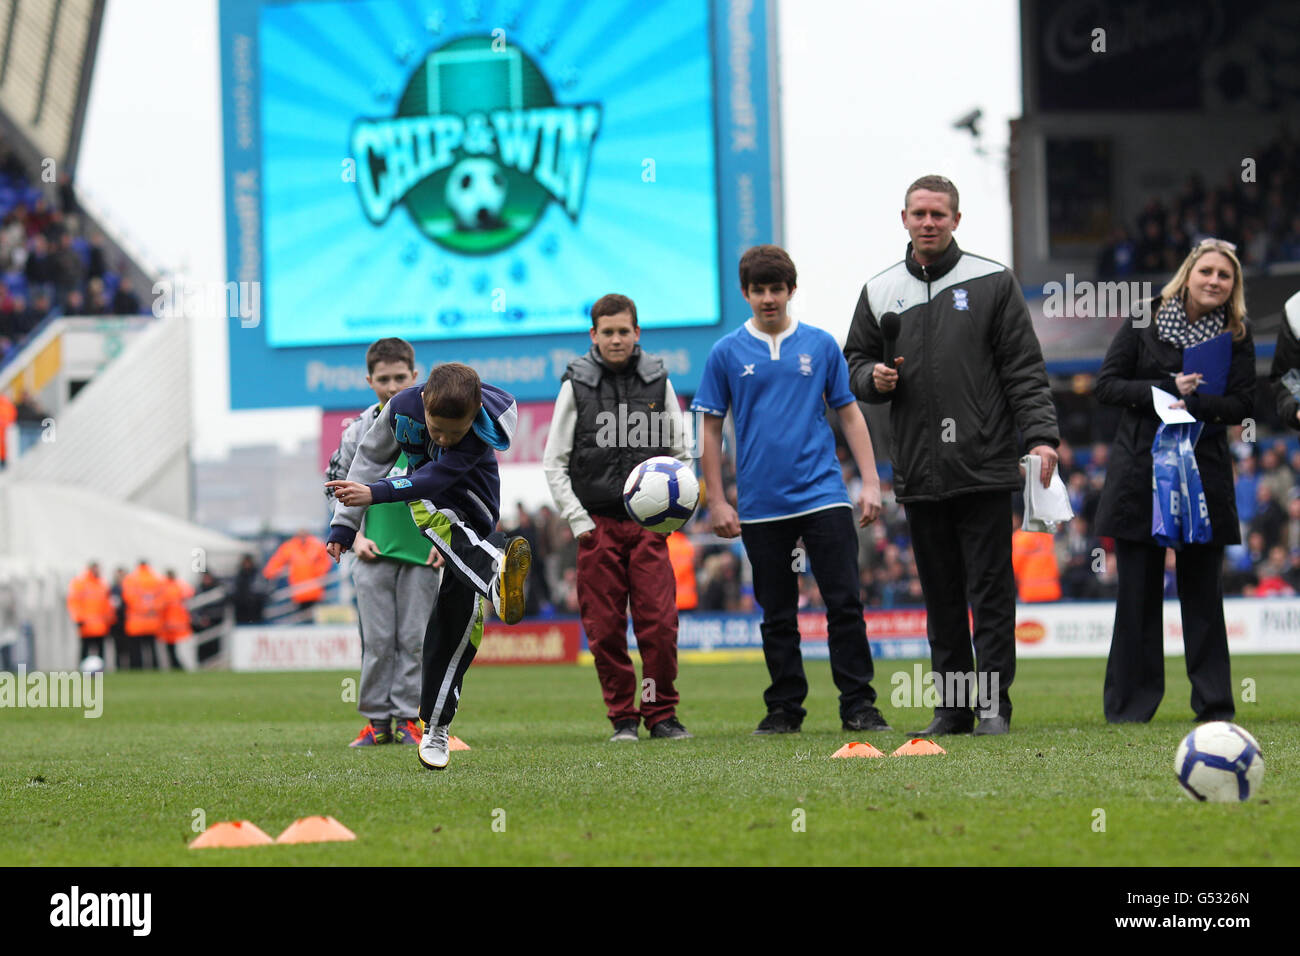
(612,304)
(934,184)
(763,265)
(389,350)
(452,391)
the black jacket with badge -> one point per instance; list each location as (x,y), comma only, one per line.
(598,467)
(1138,359)
(972,374)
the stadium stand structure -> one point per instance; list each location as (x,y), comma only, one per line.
(132,421)
(105,474)
(113,483)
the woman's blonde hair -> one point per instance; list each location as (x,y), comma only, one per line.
(1235,307)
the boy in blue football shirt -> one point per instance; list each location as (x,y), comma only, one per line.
(776,376)
(449,429)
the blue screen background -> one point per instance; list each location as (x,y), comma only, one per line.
(331,276)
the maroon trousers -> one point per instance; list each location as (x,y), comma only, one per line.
(622,565)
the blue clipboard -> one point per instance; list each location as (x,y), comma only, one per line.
(1211,359)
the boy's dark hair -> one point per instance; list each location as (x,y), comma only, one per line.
(766,264)
(389,350)
(934,184)
(452,391)
(612,304)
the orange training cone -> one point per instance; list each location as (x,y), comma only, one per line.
(457,744)
(238,833)
(917,747)
(315,830)
(856,749)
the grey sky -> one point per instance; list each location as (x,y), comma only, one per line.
(869,93)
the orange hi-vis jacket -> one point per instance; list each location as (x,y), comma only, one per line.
(1033,558)
(142,595)
(682,555)
(307,560)
(90,605)
(8,415)
(175,615)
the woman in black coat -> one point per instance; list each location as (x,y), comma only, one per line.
(1205,298)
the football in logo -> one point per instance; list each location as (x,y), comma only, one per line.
(476,194)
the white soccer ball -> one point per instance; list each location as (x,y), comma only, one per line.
(1219,762)
(93,664)
(476,194)
(661,494)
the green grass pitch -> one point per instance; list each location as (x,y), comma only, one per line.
(126,789)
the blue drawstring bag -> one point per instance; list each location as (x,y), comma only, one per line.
(1166,489)
(1179,512)
(1196,512)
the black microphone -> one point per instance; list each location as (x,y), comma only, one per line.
(889,327)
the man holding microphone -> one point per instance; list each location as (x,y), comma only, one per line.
(964,375)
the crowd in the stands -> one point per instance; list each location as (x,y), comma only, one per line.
(51,262)
(1256,208)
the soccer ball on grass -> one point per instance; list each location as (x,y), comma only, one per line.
(1219,762)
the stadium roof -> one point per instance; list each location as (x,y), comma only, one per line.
(47,51)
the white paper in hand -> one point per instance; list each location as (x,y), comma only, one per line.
(1170,416)
(1045,508)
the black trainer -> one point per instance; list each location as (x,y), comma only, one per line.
(670,728)
(992,726)
(948,725)
(779,722)
(866,717)
(624,730)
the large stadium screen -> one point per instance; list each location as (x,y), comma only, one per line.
(475,175)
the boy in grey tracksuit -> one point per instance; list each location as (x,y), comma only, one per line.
(396,573)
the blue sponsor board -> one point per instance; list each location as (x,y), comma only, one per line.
(728,632)
(472,176)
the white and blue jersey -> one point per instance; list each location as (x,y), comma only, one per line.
(777,387)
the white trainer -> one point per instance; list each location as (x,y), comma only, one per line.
(435,747)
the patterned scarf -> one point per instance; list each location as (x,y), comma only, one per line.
(1172,325)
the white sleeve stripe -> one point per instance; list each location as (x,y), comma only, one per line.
(1292,311)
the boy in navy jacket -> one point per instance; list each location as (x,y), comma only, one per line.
(450,429)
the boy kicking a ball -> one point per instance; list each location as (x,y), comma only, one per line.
(450,430)
(397,573)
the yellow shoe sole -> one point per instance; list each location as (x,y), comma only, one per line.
(514,571)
